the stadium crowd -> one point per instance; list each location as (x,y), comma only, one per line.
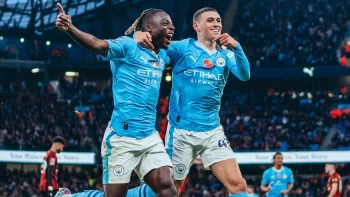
(292,33)
(273,33)
(284,120)
(81,112)
(29,118)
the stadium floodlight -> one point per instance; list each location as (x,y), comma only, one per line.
(71,74)
(48,43)
(22,40)
(35,70)
(168,78)
(69,45)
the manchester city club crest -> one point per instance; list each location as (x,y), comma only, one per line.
(180,168)
(220,62)
(118,170)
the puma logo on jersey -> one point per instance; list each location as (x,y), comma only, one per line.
(144,59)
(193,59)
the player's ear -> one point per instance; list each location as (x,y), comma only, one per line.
(147,28)
(196,27)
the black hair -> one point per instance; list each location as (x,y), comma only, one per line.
(59,139)
(142,20)
(275,155)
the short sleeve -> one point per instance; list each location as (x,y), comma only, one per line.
(119,47)
(291,176)
(265,178)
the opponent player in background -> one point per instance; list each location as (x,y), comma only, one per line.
(250,191)
(201,68)
(278,180)
(131,141)
(49,168)
(334,184)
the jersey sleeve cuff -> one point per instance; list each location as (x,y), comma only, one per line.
(238,48)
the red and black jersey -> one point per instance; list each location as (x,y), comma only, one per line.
(49,172)
(335,178)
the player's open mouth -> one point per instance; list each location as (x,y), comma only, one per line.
(169,36)
(215,30)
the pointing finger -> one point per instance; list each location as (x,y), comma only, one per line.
(60,8)
(63,18)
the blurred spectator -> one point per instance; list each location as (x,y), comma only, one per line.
(280,33)
(291,33)
(345,58)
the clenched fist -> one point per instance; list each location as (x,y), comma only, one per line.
(63,21)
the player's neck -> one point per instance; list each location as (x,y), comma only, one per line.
(331,172)
(156,50)
(156,47)
(53,149)
(207,43)
(278,167)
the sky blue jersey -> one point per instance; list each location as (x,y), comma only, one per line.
(253,195)
(199,78)
(278,180)
(136,75)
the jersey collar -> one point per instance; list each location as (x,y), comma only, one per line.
(155,54)
(280,170)
(200,45)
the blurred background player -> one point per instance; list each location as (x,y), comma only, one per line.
(49,168)
(334,184)
(277,180)
(250,191)
(131,141)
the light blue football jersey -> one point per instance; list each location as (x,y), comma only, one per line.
(253,195)
(199,78)
(278,180)
(136,75)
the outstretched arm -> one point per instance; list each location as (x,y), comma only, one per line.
(87,41)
